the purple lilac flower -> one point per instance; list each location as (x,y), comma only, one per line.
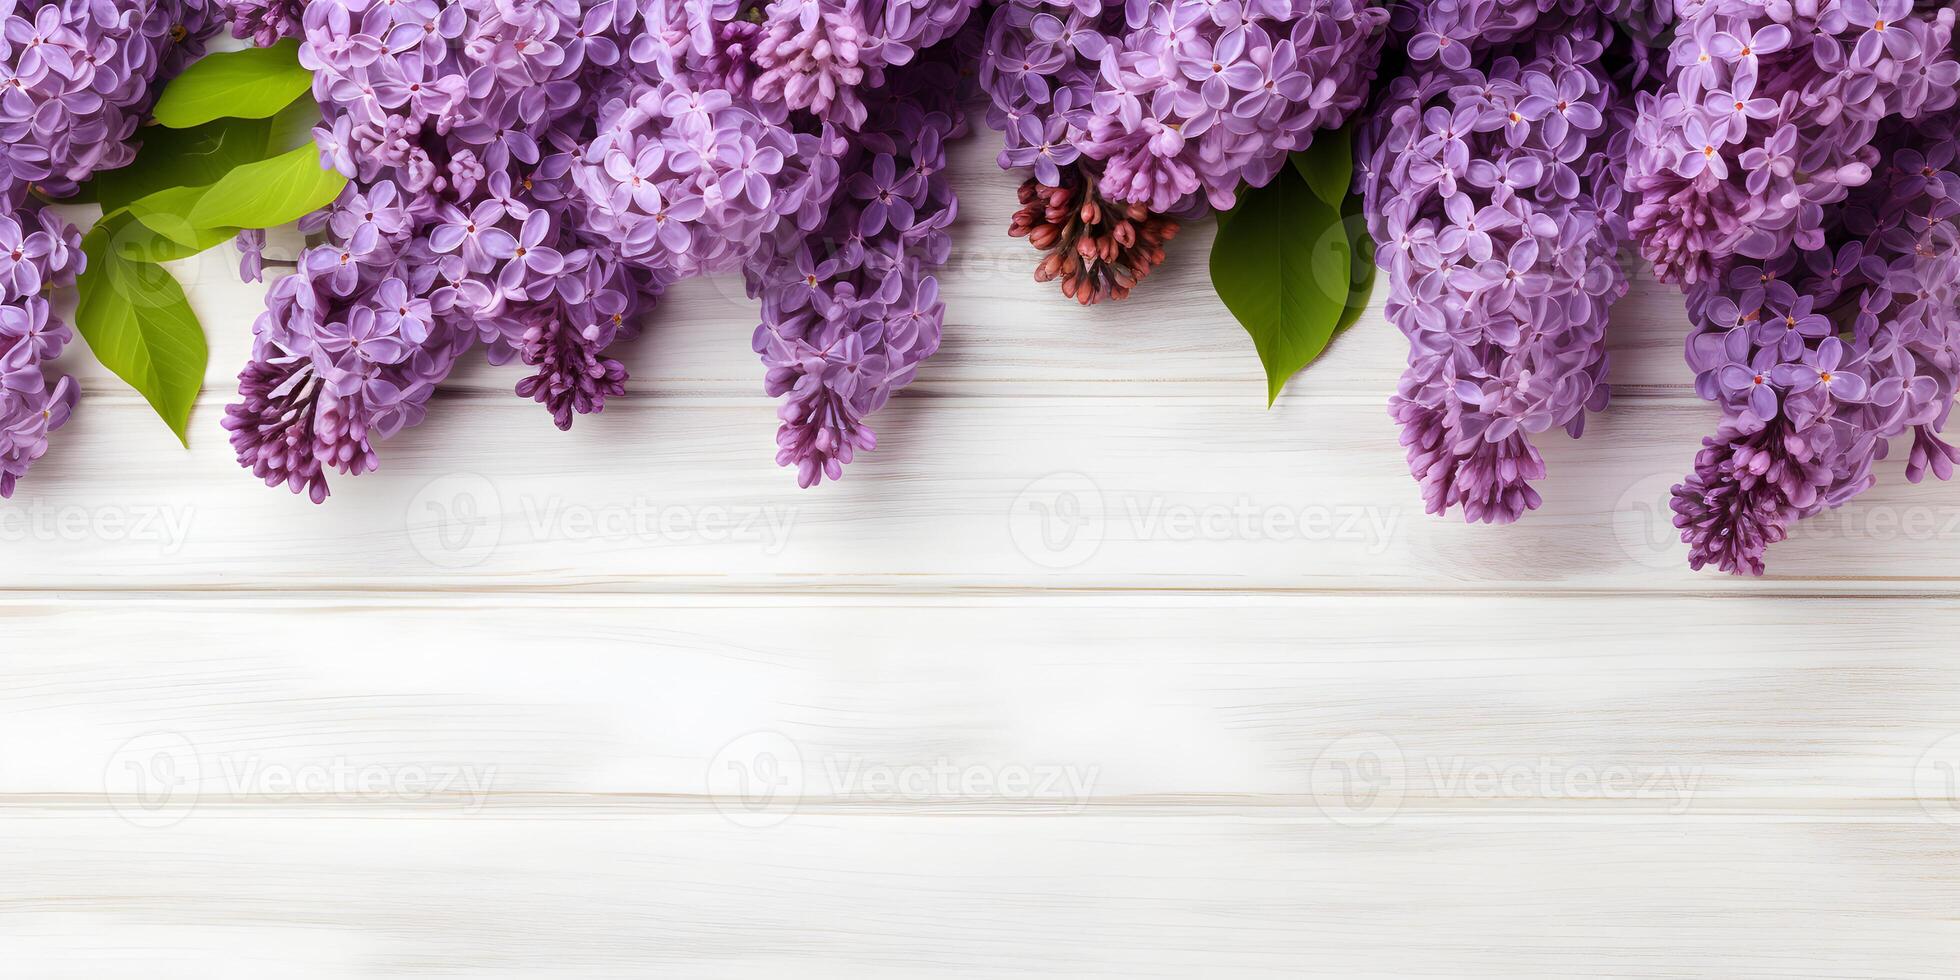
(816,55)
(264,22)
(251,254)
(1494,197)
(76,77)
(687,180)
(1821,356)
(1749,484)
(326,381)
(850,307)
(1176,103)
(1451,33)
(1768,118)
(459,227)
(529,177)
(38,252)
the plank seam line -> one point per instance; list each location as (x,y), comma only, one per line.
(971,592)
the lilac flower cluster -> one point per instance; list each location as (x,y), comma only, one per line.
(1451,33)
(818,55)
(1174,104)
(1494,196)
(265,22)
(529,176)
(347,354)
(1768,119)
(812,56)
(461,126)
(850,308)
(38,252)
(1819,356)
(686,180)
(76,77)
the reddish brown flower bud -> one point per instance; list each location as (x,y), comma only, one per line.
(1099,249)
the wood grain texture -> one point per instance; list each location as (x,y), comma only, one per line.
(1094,667)
(1122,698)
(298,894)
(680,493)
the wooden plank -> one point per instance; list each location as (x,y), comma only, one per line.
(682,493)
(1663,704)
(631,895)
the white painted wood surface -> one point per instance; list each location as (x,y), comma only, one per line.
(624,702)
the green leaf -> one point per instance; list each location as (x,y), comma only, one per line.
(164,213)
(183,158)
(293,127)
(254,83)
(1282,265)
(138,324)
(269,193)
(138,243)
(1328,165)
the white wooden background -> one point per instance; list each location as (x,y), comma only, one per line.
(1095,666)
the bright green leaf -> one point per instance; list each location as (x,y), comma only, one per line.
(269,193)
(164,213)
(1328,165)
(254,83)
(138,324)
(135,242)
(1282,265)
(293,126)
(183,158)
